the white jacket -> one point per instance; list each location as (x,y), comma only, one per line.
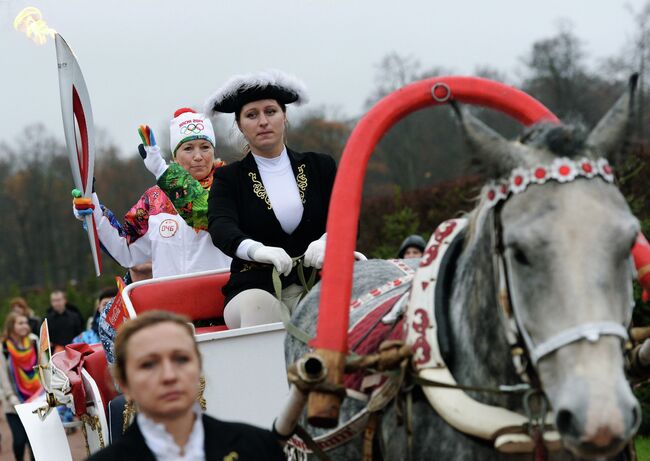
(154,231)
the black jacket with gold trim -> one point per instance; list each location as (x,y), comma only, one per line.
(223,441)
(239,209)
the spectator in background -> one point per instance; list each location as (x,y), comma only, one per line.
(18,378)
(91,335)
(63,320)
(412,247)
(19,305)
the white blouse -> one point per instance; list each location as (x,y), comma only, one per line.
(282,190)
(162,444)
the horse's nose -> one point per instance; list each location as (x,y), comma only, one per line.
(596,432)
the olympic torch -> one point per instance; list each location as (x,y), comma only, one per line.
(79,133)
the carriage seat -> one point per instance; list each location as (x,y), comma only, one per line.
(197,296)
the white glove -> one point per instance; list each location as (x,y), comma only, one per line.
(272,255)
(360,256)
(315,254)
(154,161)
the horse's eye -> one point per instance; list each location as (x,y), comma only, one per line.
(520,257)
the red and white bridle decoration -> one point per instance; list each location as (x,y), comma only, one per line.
(561,170)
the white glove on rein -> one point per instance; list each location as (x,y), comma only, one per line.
(272,255)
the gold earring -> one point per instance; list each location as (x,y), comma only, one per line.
(127,415)
(201,398)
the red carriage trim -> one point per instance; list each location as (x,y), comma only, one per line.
(71,361)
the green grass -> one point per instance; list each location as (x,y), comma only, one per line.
(642,448)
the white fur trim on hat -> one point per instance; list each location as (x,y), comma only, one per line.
(187,127)
(268,78)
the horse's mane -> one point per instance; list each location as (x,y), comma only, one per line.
(550,138)
(561,140)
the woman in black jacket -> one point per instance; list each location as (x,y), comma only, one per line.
(158,367)
(270,207)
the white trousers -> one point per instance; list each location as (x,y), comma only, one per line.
(257,307)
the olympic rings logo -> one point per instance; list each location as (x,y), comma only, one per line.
(194,128)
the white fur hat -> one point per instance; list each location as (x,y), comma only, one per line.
(242,89)
(188,125)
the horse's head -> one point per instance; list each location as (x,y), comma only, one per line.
(564,236)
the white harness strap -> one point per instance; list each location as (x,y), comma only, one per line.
(589,331)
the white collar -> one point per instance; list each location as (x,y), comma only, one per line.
(162,444)
(274,164)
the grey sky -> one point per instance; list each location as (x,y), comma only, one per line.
(142,59)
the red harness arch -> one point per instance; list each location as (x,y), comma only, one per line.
(331,335)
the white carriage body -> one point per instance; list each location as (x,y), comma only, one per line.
(244,369)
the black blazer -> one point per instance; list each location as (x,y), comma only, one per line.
(241,441)
(239,208)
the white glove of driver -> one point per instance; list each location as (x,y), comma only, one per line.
(154,161)
(272,255)
(315,254)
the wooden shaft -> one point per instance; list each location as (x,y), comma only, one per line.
(323,408)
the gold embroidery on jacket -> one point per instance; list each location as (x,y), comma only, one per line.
(258,190)
(301,180)
(246,267)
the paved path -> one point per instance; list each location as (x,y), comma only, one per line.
(76,441)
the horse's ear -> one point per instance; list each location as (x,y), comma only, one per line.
(495,154)
(609,134)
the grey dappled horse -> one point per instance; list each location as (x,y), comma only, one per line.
(567,250)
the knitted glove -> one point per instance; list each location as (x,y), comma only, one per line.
(272,255)
(82,207)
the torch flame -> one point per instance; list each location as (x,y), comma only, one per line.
(30,22)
